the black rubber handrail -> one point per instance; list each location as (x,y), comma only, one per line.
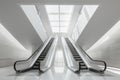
(105,64)
(45,51)
(72,49)
(28,58)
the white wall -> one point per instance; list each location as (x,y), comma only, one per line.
(16,22)
(84,17)
(108,47)
(10,49)
(33,16)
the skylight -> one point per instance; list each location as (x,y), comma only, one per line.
(59,17)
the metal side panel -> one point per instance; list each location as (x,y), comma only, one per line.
(71,63)
(48,61)
(91,64)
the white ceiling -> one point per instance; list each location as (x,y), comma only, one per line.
(16,22)
(46,21)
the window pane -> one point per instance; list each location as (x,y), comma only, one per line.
(55,29)
(64,23)
(54,24)
(63,29)
(65,17)
(52,8)
(53,17)
(59,18)
(66,8)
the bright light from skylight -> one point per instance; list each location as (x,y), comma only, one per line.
(66,9)
(64,24)
(52,8)
(66,17)
(54,24)
(59,17)
(55,29)
(53,17)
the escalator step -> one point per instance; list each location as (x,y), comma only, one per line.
(76,55)
(82,64)
(84,68)
(43,55)
(40,59)
(36,67)
(78,59)
(37,61)
(81,61)
(36,64)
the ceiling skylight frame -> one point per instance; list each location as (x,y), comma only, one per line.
(65,14)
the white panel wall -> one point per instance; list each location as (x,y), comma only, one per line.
(108,47)
(10,49)
(84,17)
(32,14)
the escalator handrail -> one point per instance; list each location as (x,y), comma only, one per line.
(68,42)
(105,64)
(30,56)
(48,57)
(70,61)
(26,59)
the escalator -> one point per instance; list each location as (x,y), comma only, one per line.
(38,59)
(80,60)
(76,56)
(42,56)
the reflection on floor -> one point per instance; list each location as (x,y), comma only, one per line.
(57,72)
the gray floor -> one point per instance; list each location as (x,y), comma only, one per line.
(58,72)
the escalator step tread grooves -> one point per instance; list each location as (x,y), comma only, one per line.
(36,64)
(76,55)
(40,59)
(43,54)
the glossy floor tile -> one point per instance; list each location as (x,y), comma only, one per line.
(58,72)
(65,74)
